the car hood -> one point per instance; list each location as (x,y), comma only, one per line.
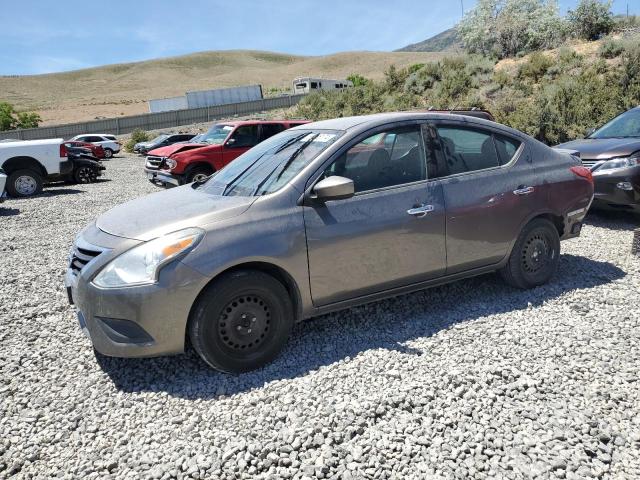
(154,215)
(175,148)
(603,148)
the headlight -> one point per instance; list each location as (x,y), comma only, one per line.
(170,163)
(141,264)
(631,161)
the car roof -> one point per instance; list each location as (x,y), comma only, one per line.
(365,122)
(236,123)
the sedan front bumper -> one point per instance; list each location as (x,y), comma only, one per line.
(617,189)
(163,178)
(140,321)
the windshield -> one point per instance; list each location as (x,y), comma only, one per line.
(271,164)
(159,139)
(623,126)
(216,135)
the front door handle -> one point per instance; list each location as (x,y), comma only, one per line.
(420,211)
(522,190)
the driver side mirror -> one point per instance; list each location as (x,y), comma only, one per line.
(230,142)
(333,188)
(589,131)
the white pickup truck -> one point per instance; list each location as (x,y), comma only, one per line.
(28,164)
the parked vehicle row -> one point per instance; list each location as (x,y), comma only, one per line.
(95,150)
(162,140)
(320,217)
(194,161)
(109,143)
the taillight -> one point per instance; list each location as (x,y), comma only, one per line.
(583,172)
(63,150)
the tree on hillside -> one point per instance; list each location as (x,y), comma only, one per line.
(10,119)
(507,27)
(358,80)
(591,19)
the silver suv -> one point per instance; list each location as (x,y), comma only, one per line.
(319,218)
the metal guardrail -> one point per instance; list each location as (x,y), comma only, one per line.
(153,121)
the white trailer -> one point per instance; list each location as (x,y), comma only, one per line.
(207,98)
(309,84)
(223,96)
(167,104)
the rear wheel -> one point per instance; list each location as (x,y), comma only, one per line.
(534,258)
(24,183)
(241,321)
(108,153)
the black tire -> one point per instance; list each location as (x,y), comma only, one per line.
(241,321)
(196,173)
(108,153)
(85,174)
(24,183)
(535,255)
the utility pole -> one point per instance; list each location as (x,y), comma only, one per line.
(462,9)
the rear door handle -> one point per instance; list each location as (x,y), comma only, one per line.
(524,190)
(420,211)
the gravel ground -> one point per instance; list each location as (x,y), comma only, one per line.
(472,379)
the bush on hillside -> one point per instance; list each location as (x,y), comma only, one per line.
(358,80)
(509,27)
(611,48)
(138,135)
(591,19)
(11,120)
(535,67)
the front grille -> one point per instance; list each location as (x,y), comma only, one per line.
(80,257)
(154,162)
(589,163)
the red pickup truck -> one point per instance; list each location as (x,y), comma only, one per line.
(190,162)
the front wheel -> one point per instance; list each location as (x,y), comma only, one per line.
(85,174)
(24,183)
(197,174)
(534,258)
(241,321)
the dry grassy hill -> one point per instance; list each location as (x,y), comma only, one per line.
(124,89)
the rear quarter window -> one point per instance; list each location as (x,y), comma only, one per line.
(506,147)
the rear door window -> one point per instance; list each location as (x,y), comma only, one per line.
(467,149)
(270,129)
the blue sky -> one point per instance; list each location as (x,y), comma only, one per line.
(49,36)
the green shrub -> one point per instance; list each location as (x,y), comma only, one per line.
(535,67)
(358,80)
(611,48)
(591,19)
(137,136)
(10,119)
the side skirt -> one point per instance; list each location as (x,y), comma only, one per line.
(414,287)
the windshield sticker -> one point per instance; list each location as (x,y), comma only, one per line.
(320,138)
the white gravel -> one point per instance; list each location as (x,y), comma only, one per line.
(473,379)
